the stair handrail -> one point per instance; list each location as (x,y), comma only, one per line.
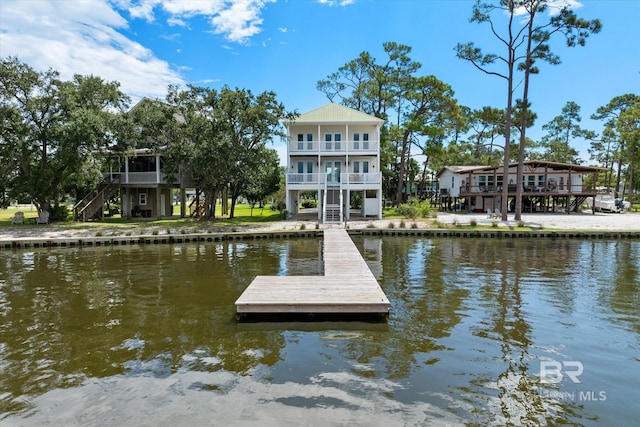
(80,207)
(342,217)
(324,203)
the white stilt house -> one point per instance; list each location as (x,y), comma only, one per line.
(334,151)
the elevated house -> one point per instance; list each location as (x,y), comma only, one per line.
(546,186)
(334,152)
(146,190)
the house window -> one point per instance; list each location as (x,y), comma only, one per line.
(541,181)
(300,141)
(356,167)
(142,164)
(482,182)
(365,166)
(327,141)
(309,171)
(365,141)
(300,167)
(309,141)
(142,199)
(356,141)
(561,185)
(337,138)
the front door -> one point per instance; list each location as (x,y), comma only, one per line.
(332,171)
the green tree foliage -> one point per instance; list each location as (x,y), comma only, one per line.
(629,127)
(510,41)
(54,132)
(539,32)
(217,138)
(525,38)
(560,131)
(264,179)
(423,106)
(617,135)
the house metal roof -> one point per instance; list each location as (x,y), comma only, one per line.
(533,164)
(335,113)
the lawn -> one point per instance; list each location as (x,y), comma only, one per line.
(243,215)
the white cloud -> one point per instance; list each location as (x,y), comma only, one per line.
(82,37)
(236,20)
(554,7)
(337,2)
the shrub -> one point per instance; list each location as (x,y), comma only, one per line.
(59,213)
(473,223)
(402,224)
(494,224)
(309,204)
(414,225)
(415,208)
(303,227)
(391,225)
(408,210)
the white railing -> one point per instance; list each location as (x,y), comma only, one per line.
(361,178)
(303,178)
(144,178)
(139,178)
(333,146)
(321,178)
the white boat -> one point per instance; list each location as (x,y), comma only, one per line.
(605,202)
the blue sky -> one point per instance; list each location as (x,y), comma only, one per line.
(287,46)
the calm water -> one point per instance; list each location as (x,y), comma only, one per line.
(481,332)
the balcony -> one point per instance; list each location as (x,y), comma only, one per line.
(348,180)
(528,191)
(146,178)
(333,147)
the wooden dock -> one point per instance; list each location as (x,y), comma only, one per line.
(347,288)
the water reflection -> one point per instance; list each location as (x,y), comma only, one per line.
(147,335)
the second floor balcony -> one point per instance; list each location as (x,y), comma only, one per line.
(321,179)
(342,147)
(147,178)
(527,190)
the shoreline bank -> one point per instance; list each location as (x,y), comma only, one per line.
(579,225)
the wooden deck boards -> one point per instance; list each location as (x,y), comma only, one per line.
(348,286)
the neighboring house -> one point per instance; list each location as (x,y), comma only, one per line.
(145,190)
(334,151)
(546,186)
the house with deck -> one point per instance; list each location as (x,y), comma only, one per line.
(334,152)
(546,186)
(146,189)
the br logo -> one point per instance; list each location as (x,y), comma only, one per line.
(552,371)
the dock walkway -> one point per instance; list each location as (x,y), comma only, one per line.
(347,288)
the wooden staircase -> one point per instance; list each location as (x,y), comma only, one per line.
(197,205)
(576,202)
(93,202)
